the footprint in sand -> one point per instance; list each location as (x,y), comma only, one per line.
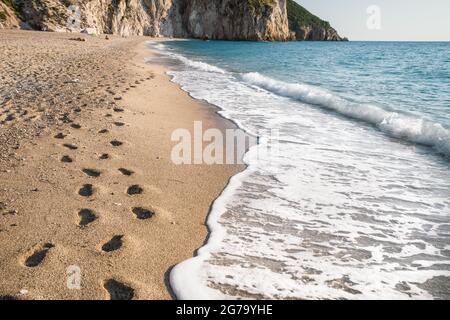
(66,118)
(118,109)
(119,124)
(86,217)
(114,244)
(126,172)
(66,159)
(60,136)
(10,117)
(91,172)
(116,143)
(70,146)
(142,213)
(104,156)
(38,256)
(134,190)
(118,290)
(86,190)
(103,131)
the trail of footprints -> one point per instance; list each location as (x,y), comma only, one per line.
(87,216)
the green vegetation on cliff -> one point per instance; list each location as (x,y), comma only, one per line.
(259,3)
(9,3)
(3,15)
(300,17)
(13,5)
(306,26)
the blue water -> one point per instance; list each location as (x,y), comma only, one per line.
(409,77)
(355,202)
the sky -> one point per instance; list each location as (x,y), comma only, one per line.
(388,20)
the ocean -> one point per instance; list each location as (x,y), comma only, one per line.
(355,203)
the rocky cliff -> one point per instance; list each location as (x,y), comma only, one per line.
(236,19)
(212,19)
(306,26)
(206,19)
(8,15)
(124,17)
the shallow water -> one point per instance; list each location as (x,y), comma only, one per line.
(355,202)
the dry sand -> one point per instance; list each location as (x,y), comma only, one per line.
(51,85)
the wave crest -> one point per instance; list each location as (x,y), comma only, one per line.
(202,66)
(412,129)
(199,65)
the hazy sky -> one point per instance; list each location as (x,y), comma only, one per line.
(423,20)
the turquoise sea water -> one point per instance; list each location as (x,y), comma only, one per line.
(410,77)
(356,201)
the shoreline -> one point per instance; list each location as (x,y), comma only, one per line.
(187,289)
(117,253)
(300,205)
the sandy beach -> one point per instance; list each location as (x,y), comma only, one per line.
(86,181)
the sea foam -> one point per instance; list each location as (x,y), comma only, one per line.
(398,125)
(340,212)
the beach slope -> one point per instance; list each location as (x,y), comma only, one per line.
(91,205)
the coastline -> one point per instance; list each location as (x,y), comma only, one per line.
(286,207)
(40,198)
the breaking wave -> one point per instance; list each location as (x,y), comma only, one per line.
(412,129)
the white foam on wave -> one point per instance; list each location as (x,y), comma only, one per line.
(398,125)
(335,216)
(199,65)
(193,286)
(402,126)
